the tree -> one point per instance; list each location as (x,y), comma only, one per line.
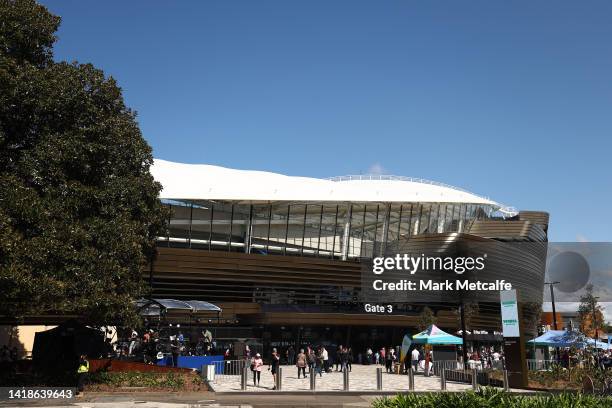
(79,209)
(590,313)
(470,312)
(426,318)
(531,315)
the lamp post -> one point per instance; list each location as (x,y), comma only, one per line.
(554,311)
(552,299)
(463,334)
(595,319)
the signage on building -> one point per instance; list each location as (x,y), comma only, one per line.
(509,313)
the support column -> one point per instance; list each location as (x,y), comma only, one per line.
(248,233)
(346,237)
(385,237)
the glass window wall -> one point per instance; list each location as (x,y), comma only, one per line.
(333,230)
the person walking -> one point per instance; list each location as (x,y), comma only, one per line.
(343,359)
(256,366)
(429,362)
(312,360)
(82,372)
(325,355)
(319,362)
(290,355)
(414,357)
(301,363)
(176,352)
(133,339)
(389,360)
(274,364)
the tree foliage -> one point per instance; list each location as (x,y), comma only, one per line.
(79,209)
(426,318)
(531,315)
(471,310)
(590,313)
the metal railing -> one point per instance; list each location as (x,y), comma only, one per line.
(546,365)
(505,210)
(236,374)
(229,368)
(390,177)
(454,371)
(541,365)
(438,366)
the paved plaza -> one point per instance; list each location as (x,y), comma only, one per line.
(361,378)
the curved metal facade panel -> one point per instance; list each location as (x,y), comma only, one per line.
(520,263)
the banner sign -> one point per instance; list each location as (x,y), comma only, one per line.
(509,313)
(406,343)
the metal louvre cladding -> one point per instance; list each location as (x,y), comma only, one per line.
(520,264)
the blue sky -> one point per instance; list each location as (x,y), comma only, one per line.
(509,99)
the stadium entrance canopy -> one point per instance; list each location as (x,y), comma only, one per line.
(436,336)
(159,307)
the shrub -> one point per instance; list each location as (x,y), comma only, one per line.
(492,398)
(139,379)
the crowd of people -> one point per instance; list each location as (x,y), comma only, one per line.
(152,346)
(486,357)
(316,359)
(588,357)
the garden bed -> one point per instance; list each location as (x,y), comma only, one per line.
(492,398)
(110,381)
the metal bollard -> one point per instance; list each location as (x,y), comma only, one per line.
(345,375)
(411,379)
(506,382)
(313,380)
(279,379)
(244,378)
(474,379)
(443,379)
(379,379)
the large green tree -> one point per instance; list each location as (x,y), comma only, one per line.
(79,209)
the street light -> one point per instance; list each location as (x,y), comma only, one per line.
(552,298)
(595,318)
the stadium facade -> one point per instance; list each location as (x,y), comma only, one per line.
(282,256)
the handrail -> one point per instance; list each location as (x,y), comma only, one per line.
(392,177)
(506,210)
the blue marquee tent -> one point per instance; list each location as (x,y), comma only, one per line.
(598,344)
(560,338)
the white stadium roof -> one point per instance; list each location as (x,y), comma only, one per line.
(205,182)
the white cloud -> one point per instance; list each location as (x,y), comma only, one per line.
(581,238)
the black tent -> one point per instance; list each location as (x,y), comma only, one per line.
(60,348)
